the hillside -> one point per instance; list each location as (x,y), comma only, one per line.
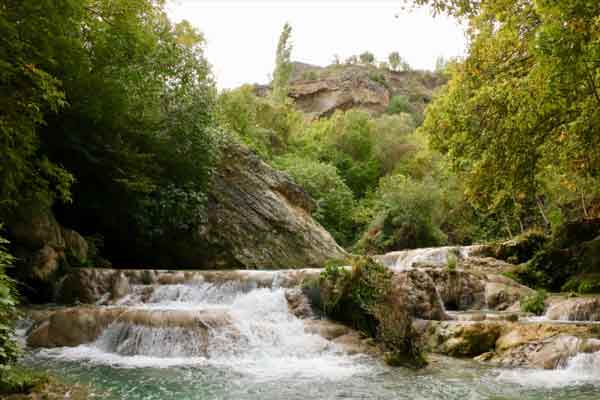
(320,91)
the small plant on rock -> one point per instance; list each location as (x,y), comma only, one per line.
(451,261)
(362,297)
(535,303)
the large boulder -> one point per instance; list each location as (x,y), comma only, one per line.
(417,292)
(257,218)
(42,247)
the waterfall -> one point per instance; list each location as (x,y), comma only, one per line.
(232,324)
(431,256)
(581,369)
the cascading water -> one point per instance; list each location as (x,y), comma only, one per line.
(432,256)
(234,337)
(232,324)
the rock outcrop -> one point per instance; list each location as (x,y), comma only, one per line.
(75,326)
(574,309)
(257,218)
(320,91)
(43,249)
(535,345)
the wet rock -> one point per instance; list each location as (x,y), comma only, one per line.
(298,303)
(75,326)
(462,339)
(327,329)
(71,327)
(501,292)
(575,309)
(120,286)
(86,285)
(75,243)
(41,245)
(459,290)
(418,291)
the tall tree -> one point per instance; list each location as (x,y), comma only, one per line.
(523,109)
(283,65)
(366,58)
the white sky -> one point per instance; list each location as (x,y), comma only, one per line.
(242,35)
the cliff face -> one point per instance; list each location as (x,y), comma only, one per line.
(320,91)
(257,218)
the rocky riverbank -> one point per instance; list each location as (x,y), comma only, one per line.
(471,310)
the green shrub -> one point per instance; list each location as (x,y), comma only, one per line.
(535,303)
(398,104)
(586,284)
(310,75)
(379,78)
(9,350)
(335,201)
(451,261)
(19,380)
(403,214)
(362,297)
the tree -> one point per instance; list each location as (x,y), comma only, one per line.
(394,60)
(283,66)
(9,350)
(105,106)
(397,63)
(30,93)
(367,58)
(523,104)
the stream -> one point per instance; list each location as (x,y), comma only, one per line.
(252,347)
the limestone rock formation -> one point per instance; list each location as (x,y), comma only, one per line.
(257,218)
(320,91)
(575,309)
(535,345)
(42,247)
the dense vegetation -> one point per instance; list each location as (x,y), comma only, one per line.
(363,298)
(107,115)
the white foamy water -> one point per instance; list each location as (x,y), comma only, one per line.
(582,369)
(432,256)
(255,334)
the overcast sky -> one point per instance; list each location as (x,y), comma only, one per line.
(242,35)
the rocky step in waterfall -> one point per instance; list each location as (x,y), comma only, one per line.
(261,321)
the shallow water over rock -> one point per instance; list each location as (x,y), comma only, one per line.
(248,335)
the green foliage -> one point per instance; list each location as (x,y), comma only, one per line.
(395,145)
(283,65)
(398,104)
(378,77)
(402,214)
(29,94)
(366,58)
(335,202)
(362,297)
(586,284)
(171,208)
(519,119)
(104,104)
(345,140)
(397,63)
(19,380)
(451,261)
(535,303)
(9,350)
(262,124)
